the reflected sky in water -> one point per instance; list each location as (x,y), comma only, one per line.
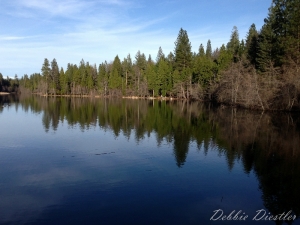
(71,175)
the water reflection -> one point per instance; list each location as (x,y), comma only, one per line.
(266,144)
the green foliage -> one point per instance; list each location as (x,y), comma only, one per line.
(234,43)
(54,78)
(201,52)
(127,71)
(164,79)
(183,52)
(115,80)
(117,65)
(102,78)
(46,71)
(160,55)
(208,51)
(252,44)
(140,63)
(224,60)
(151,77)
(8,84)
(63,82)
(203,70)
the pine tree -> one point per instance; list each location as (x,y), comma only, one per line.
(288,21)
(117,65)
(55,86)
(102,79)
(114,81)
(208,49)
(203,70)
(163,81)
(183,61)
(171,60)
(89,78)
(127,69)
(151,78)
(234,43)
(140,62)
(46,75)
(160,55)
(149,60)
(183,53)
(266,53)
(115,78)
(94,75)
(252,44)
(224,59)
(63,82)
(201,51)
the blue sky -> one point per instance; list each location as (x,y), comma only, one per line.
(98,30)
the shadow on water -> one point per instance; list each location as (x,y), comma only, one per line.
(265,143)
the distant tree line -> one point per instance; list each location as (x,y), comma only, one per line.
(261,71)
(8,84)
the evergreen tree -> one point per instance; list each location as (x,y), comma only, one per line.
(160,55)
(54,85)
(203,70)
(151,78)
(265,50)
(163,80)
(46,74)
(224,59)
(94,75)
(277,19)
(183,53)
(252,44)
(234,43)
(117,65)
(89,78)
(242,49)
(63,82)
(208,49)
(115,78)
(279,39)
(287,29)
(201,52)
(140,62)
(171,59)
(127,69)
(150,61)
(183,61)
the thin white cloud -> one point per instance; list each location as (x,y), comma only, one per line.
(116,2)
(15,38)
(10,38)
(56,7)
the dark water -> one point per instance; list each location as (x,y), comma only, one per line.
(96,161)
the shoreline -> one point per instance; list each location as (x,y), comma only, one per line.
(222,105)
(100,96)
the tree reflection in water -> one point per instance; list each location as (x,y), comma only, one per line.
(265,143)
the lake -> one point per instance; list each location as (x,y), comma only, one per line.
(117,161)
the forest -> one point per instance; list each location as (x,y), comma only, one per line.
(9,84)
(260,72)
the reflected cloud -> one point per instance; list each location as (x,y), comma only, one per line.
(247,156)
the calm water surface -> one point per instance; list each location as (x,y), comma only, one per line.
(96,161)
